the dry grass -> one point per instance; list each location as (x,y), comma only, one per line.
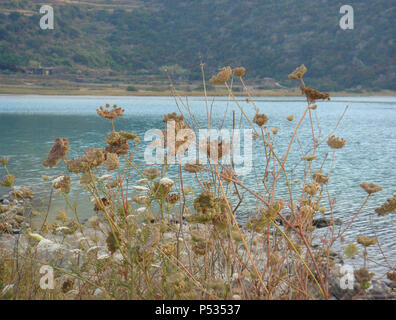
(157,238)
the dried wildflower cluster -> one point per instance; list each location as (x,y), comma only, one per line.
(62,183)
(363,277)
(336,142)
(240,72)
(130,136)
(193,167)
(3,161)
(176,124)
(222,76)
(388,207)
(298,72)
(370,187)
(260,119)
(57,152)
(266,216)
(366,241)
(313,95)
(111,114)
(8,181)
(320,177)
(116,143)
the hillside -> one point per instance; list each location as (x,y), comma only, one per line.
(270,38)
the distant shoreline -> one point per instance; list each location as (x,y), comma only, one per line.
(142,93)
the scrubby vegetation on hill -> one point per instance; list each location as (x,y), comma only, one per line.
(268,37)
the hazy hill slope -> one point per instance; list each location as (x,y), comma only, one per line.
(269,38)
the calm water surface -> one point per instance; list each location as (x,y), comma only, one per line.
(30,124)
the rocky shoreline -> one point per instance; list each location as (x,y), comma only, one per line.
(15,217)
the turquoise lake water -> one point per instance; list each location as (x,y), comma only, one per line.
(30,124)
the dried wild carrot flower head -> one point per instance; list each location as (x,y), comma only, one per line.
(193,167)
(108,113)
(260,119)
(388,207)
(267,216)
(222,76)
(311,189)
(117,144)
(57,152)
(391,276)
(176,124)
(206,202)
(62,183)
(290,117)
(320,177)
(4,161)
(94,156)
(8,181)
(78,165)
(274,130)
(336,142)
(313,95)
(151,173)
(240,72)
(172,198)
(298,72)
(367,241)
(112,161)
(130,136)
(370,187)
(363,276)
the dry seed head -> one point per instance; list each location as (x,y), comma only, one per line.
(363,276)
(310,157)
(274,130)
(8,181)
(336,142)
(4,161)
(351,250)
(370,187)
(367,241)
(313,107)
(313,95)
(112,161)
(111,114)
(173,198)
(140,199)
(391,276)
(290,117)
(130,136)
(193,167)
(62,183)
(168,249)
(167,183)
(222,76)
(78,165)
(57,152)
(260,119)
(151,173)
(388,207)
(240,72)
(320,177)
(298,72)
(94,157)
(311,189)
